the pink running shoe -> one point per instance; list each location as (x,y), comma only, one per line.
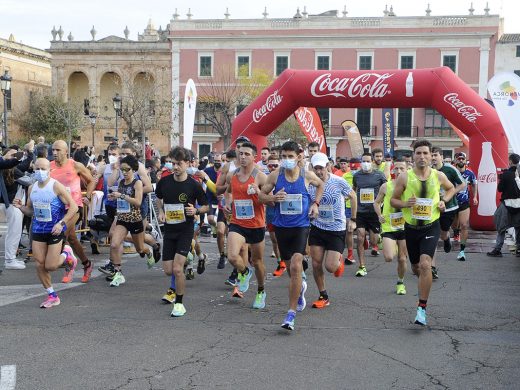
(50,302)
(70,264)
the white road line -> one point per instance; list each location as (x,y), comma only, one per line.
(7,377)
(18,293)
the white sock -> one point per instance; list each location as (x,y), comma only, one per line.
(50,290)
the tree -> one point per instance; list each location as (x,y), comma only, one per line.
(289,130)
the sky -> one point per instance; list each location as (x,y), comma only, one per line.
(30,21)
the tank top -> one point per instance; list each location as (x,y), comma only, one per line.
(294,210)
(394,220)
(349,177)
(247,211)
(127,212)
(106,174)
(67,175)
(426,210)
(48,207)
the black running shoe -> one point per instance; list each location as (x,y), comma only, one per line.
(495,253)
(201,265)
(447,245)
(190,275)
(107,269)
(221,262)
(157,252)
(434,273)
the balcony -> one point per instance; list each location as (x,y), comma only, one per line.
(440,132)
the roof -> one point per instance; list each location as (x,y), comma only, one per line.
(509,38)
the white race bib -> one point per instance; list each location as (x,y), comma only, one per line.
(422,209)
(123,206)
(244,209)
(174,213)
(366,195)
(292,205)
(326,213)
(42,212)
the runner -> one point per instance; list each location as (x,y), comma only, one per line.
(392,225)
(367,182)
(327,235)
(264,160)
(176,197)
(274,164)
(213,172)
(70,173)
(461,222)
(417,193)
(291,220)
(379,163)
(343,167)
(354,167)
(47,203)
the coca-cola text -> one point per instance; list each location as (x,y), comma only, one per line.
(366,84)
(271,102)
(487,178)
(470,113)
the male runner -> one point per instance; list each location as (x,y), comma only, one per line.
(417,194)
(379,163)
(274,164)
(264,160)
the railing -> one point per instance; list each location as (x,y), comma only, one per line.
(440,132)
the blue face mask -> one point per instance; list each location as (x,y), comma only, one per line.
(289,163)
(191,170)
(168,166)
(41,176)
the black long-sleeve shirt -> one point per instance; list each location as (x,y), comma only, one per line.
(507,185)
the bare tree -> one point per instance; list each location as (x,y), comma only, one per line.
(289,130)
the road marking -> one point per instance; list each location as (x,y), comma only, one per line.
(19,293)
(7,377)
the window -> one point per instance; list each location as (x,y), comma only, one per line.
(204,150)
(363,118)
(282,63)
(406,62)
(365,62)
(322,62)
(243,66)
(435,125)
(447,153)
(205,66)
(517,72)
(404,122)
(8,100)
(518,51)
(450,61)
(324,114)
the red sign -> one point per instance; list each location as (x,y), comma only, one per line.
(310,123)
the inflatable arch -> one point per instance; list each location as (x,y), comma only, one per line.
(438,88)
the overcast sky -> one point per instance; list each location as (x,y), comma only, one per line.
(32,20)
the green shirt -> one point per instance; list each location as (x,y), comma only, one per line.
(455,178)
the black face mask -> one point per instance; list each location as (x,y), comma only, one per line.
(217,165)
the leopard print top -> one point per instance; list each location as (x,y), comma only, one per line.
(125,211)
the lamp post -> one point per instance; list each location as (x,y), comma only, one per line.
(92,117)
(117,108)
(5,85)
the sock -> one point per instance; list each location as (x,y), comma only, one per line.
(117,267)
(245,272)
(400,280)
(234,273)
(222,254)
(172,282)
(178,298)
(375,247)
(350,253)
(291,311)
(50,291)
(324,294)
(422,303)
(142,254)
(260,289)
(462,246)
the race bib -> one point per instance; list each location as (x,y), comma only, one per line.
(42,212)
(292,204)
(244,209)
(397,221)
(174,213)
(366,195)
(422,209)
(123,206)
(326,213)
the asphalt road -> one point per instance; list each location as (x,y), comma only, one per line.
(124,338)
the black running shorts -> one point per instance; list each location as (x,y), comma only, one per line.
(48,238)
(368,221)
(463,206)
(328,240)
(177,242)
(252,236)
(446,219)
(421,240)
(132,227)
(291,240)
(396,236)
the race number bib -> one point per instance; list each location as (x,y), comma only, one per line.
(397,221)
(174,213)
(123,206)
(42,212)
(366,195)
(422,209)
(292,205)
(326,213)
(244,209)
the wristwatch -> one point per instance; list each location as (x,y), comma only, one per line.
(353,219)
(317,203)
(122,196)
(62,223)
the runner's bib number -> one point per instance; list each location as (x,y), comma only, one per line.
(244,209)
(397,221)
(174,213)
(123,206)
(42,212)
(366,195)
(292,205)
(422,209)
(326,213)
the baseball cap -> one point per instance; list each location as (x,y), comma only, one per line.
(460,154)
(319,159)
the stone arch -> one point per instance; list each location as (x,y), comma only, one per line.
(77,87)
(110,83)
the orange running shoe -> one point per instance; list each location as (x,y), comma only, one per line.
(87,271)
(321,303)
(340,269)
(70,264)
(280,269)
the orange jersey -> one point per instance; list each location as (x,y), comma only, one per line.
(247,211)
(67,175)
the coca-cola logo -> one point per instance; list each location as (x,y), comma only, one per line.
(487,177)
(306,119)
(271,102)
(367,84)
(469,113)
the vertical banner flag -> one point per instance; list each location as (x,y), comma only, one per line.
(388,131)
(190,102)
(503,89)
(310,124)
(463,137)
(354,138)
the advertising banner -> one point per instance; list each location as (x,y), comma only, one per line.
(310,124)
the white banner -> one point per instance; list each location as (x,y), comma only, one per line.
(504,88)
(190,103)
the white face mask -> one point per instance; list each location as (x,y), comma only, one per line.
(366,166)
(191,170)
(112,159)
(289,163)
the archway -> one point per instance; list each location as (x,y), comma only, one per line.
(437,88)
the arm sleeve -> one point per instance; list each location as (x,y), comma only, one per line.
(211,186)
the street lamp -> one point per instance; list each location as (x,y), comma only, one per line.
(92,117)
(5,85)
(117,108)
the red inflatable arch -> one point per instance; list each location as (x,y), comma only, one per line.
(438,88)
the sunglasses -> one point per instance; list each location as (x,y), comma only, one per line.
(273,165)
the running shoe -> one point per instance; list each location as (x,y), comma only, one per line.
(302,303)
(420,318)
(190,275)
(70,264)
(461,256)
(273,255)
(288,323)
(339,272)
(231,282)
(362,271)
(237,293)
(117,280)
(447,245)
(107,269)
(222,262)
(321,303)
(259,302)
(157,252)
(280,269)
(95,248)
(50,302)
(169,297)
(434,273)
(495,253)
(375,251)
(150,261)
(87,271)
(400,289)
(243,280)
(350,259)
(178,310)
(201,266)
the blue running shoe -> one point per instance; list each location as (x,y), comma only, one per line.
(301,299)
(243,280)
(288,323)
(420,318)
